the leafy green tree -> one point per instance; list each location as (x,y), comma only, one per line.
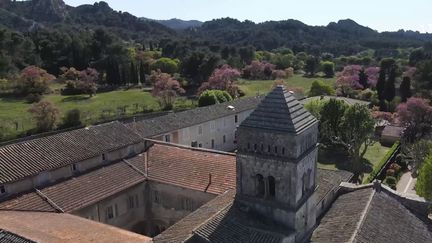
(46,115)
(331,116)
(315,108)
(320,88)
(328,68)
(416,153)
(166,65)
(357,130)
(312,65)
(424,180)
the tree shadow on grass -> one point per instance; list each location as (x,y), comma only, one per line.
(75,98)
(341,160)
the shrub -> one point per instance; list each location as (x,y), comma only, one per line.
(33,98)
(320,88)
(390,172)
(207,98)
(395,167)
(46,115)
(211,97)
(390,181)
(72,119)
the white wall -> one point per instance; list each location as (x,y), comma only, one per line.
(205,132)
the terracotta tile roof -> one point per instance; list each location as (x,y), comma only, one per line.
(366,215)
(81,191)
(171,164)
(27,202)
(174,121)
(8,237)
(233,225)
(53,227)
(329,180)
(33,156)
(393,131)
(183,229)
(191,168)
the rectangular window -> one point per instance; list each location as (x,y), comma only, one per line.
(200,145)
(194,144)
(212,126)
(2,190)
(103,157)
(200,130)
(74,168)
(109,212)
(131,202)
(236,118)
(168,138)
(212,144)
(224,139)
(156,197)
(187,204)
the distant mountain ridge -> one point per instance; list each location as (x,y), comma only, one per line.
(344,37)
(178,24)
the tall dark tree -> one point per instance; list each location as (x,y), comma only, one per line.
(312,65)
(142,73)
(381,84)
(405,89)
(390,90)
(133,73)
(363,79)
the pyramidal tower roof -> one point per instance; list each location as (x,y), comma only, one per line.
(280,111)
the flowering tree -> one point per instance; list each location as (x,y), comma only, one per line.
(166,88)
(222,79)
(372,74)
(348,79)
(45,114)
(259,70)
(416,116)
(354,77)
(80,82)
(34,80)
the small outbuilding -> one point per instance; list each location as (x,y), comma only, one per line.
(391,134)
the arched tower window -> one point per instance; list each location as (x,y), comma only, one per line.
(272,186)
(260,186)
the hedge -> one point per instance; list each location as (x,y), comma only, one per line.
(382,163)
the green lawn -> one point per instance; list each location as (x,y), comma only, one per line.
(253,87)
(14,118)
(338,161)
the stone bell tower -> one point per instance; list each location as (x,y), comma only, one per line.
(276,162)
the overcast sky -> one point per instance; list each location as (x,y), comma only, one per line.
(381,15)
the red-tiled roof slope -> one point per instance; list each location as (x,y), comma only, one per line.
(190,168)
(33,156)
(27,202)
(54,227)
(79,192)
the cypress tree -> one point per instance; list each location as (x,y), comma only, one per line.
(390,90)
(405,89)
(142,74)
(363,79)
(380,86)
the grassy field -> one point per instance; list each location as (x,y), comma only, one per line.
(253,87)
(14,118)
(334,161)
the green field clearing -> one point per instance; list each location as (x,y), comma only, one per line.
(14,118)
(254,87)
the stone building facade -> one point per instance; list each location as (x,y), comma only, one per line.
(277,162)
